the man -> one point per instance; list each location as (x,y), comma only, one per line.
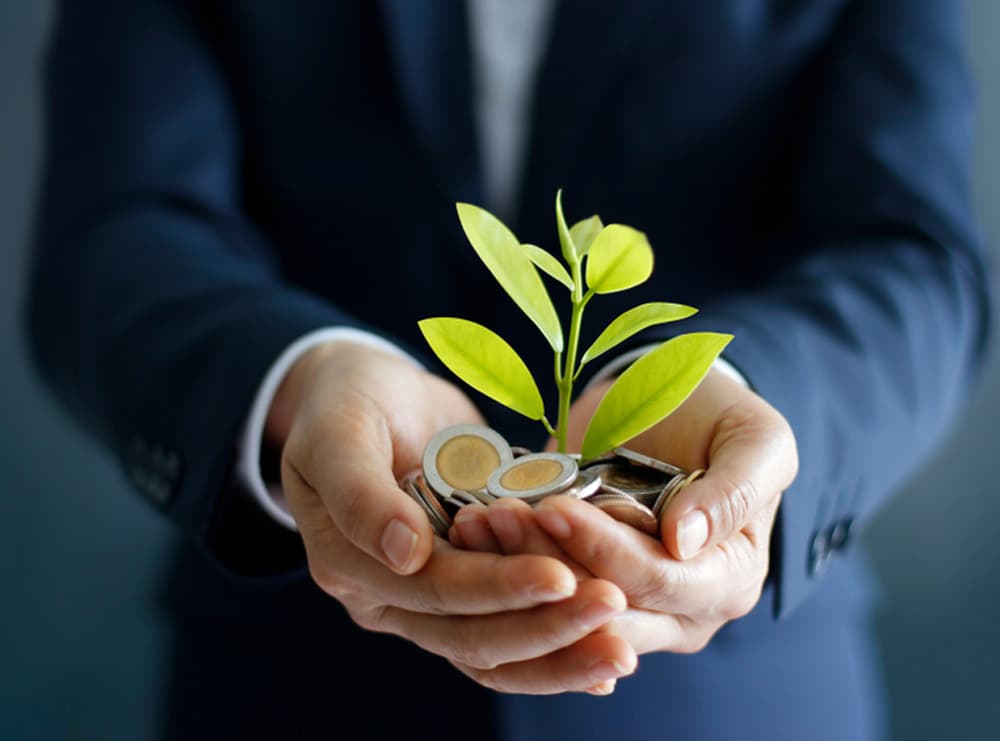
(247,208)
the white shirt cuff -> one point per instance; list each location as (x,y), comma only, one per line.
(623,361)
(269,495)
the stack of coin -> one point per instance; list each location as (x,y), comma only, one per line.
(468,464)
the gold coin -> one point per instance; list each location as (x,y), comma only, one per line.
(531,474)
(462,458)
(466,462)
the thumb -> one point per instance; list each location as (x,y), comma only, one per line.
(750,464)
(348,463)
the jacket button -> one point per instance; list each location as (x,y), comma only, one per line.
(841,533)
(158,490)
(819,553)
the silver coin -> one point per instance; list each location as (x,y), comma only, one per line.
(587,484)
(626,509)
(648,461)
(416,486)
(602,458)
(462,498)
(639,482)
(462,457)
(676,486)
(533,476)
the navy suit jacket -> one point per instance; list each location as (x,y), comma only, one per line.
(223,177)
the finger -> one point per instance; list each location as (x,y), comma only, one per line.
(356,484)
(487,641)
(592,665)
(637,563)
(749,466)
(722,583)
(647,631)
(452,582)
(514,524)
(604,688)
(474,530)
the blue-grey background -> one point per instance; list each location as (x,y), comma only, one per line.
(83,643)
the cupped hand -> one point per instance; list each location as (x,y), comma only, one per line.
(351,421)
(711,563)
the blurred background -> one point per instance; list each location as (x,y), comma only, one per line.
(83,642)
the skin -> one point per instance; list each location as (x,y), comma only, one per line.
(351,421)
(552,599)
(710,566)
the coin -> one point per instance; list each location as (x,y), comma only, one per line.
(639,482)
(533,476)
(626,509)
(648,461)
(586,485)
(416,486)
(462,457)
(676,486)
(460,498)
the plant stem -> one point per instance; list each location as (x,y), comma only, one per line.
(565,383)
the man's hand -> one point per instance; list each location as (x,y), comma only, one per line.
(713,559)
(351,422)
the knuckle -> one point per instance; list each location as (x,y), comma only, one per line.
(373,620)
(696,643)
(472,656)
(429,598)
(334,583)
(466,649)
(324,578)
(736,504)
(487,678)
(742,605)
(657,584)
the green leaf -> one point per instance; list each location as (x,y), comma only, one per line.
(548,264)
(633,321)
(485,361)
(583,233)
(565,239)
(501,252)
(620,257)
(650,389)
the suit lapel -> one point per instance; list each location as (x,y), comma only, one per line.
(588,53)
(428,40)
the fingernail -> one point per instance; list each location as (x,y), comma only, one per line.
(604,688)
(596,614)
(398,543)
(506,527)
(552,522)
(692,533)
(605,670)
(552,593)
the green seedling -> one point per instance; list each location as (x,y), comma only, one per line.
(598,259)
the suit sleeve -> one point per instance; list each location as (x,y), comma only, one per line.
(869,339)
(156,307)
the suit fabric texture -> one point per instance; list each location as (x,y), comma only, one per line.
(223,177)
